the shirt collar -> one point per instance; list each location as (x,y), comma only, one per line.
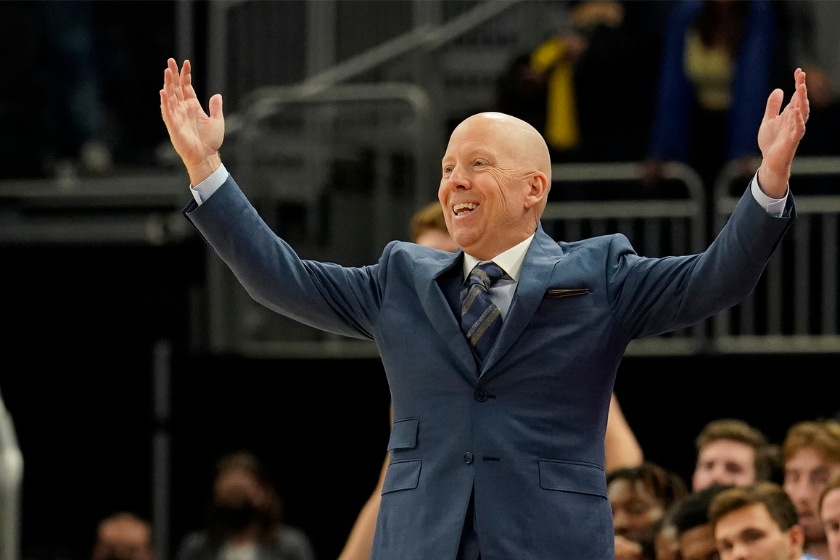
(510,261)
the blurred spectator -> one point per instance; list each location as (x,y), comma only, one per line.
(428,228)
(639,498)
(730,452)
(666,545)
(694,531)
(830,516)
(599,71)
(78,125)
(811,29)
(123,536)
(245,519)
(715,76)
(811,454)
(757,522)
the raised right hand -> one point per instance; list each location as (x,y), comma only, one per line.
(195,136)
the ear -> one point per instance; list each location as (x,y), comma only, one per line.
(538,187)
(796,536)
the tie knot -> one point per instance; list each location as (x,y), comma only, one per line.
(486,274)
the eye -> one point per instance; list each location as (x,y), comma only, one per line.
(447,169)
(480,163)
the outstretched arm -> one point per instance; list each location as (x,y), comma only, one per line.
(196,136)
(779,136)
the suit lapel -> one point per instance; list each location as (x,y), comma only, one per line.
(431,280)
(542,256)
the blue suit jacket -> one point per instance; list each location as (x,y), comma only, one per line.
(526,430)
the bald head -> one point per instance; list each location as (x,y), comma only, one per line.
(124,536)
(522,140)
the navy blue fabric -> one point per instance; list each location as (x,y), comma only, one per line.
(523,431)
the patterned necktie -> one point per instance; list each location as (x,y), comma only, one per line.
(480,318)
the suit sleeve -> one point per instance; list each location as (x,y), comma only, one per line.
(651,296)
(326,296)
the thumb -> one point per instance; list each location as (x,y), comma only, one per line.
(216,107)
(774,104)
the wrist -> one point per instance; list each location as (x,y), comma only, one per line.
(198,172)
(771,182)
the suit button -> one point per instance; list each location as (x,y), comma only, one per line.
(468,458)
(481,395)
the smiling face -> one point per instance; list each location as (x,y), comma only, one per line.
(495,178)
(751,533)
(724,461)
(807,473)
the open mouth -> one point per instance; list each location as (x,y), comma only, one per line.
(464,208)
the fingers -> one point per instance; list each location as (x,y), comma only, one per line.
(216,107)
(774,104)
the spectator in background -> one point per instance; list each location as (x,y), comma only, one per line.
(811,452)
(694,531)
(639,497)
(428,228)
(123,536)
(757,523)
(730,452)
(78,126)
(666,545)
(715,71)
(245,519)
(830,516)
(607,46)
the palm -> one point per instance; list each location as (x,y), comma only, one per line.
(194,135)
(780,133)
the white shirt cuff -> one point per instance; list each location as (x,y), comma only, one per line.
(205,189)
(773,206)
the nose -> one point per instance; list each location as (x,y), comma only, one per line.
(457,179)
(620,522)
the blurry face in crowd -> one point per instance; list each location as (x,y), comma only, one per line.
(806,474)
(495,174)
(831,522)
(437,239)
(123,539)
(698,544)
(750,533)
(239,500)
(635,510)
(666,545)
(725,462)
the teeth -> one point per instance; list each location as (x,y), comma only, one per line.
(464,207)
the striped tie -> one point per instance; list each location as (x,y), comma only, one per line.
(480,319)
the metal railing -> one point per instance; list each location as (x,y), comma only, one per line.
(11,481)
(794,308)
(292,149)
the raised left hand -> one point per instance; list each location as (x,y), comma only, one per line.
(779,136)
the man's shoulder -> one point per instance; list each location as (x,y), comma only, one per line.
(602,243)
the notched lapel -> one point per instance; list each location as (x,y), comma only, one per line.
(430,284)
(540,260)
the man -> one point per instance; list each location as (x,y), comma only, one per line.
(123,536)
(500,371)
(830,516)
(730,452)
(811,453)
(639,498)
(757,523)
(694,531)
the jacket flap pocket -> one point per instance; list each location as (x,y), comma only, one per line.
(403,434)
(567,476)
(403,475)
